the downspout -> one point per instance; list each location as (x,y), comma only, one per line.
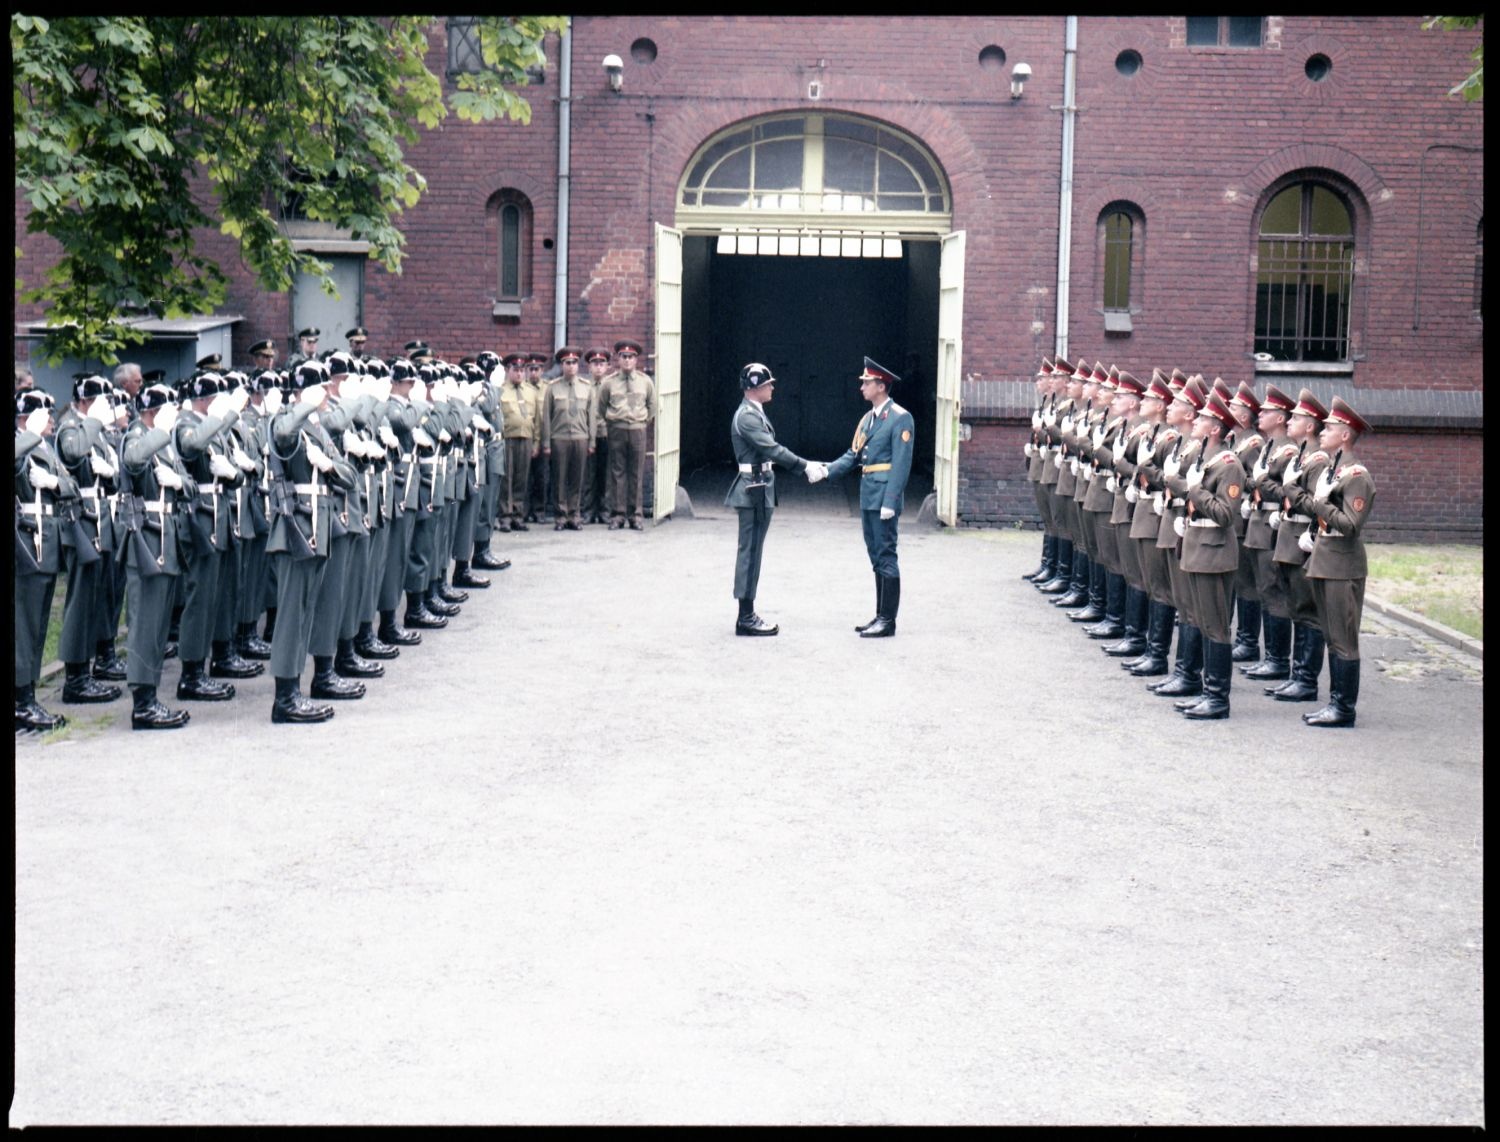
(1065,205)
(564,179)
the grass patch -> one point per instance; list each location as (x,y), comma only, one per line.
(54,625)
(1443,582)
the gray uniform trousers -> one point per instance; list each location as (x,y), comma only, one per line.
(148,602)
(33,611)
(755,521)
(80,624)
(298,582)
(328,605)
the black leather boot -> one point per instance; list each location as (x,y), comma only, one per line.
(107,664)
(1343,694)
(1159,623)
(290,706)
(227,663)
(890,602)
(348,664)
(1112,625)
(439,605)
(463,577)
(327,684)
(1077,594)
(1049,560)
(81,687)
(149,714)
(1189,682)
(1062,570)
(367,645)
(1276,664)
(31,716)
(1218,668)
(417,614)
(751,625)
(1137,621)
(251,646)
(879,591)
(1094,607)
(1302,686)
(270,631)
(1247,630)
(394,633)
(449,594)
(487,562)
(196,686)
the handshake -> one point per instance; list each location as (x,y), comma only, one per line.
(816,471)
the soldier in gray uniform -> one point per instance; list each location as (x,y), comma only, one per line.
(488,406)
(401,419)
(753,493)
(152,477)
(42,485)
(107,664)
(79,444)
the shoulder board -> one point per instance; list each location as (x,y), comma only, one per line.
(1317,456)
(1286,449)
(1225,456)
(1351,470)
(897,409)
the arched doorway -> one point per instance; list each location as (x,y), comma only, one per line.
(807,241)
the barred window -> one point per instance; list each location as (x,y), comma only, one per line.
(1306,275)
(466,56)
(1224,31)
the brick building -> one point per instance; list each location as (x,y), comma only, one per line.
(1275,199)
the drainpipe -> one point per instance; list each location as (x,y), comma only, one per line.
(564,179)
(1065,205)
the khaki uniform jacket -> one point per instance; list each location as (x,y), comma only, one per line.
(1211,542)
(1264,471)
(568,411)
(627,400)
(1341,501)
(1300,474)
(1144,522)
(1101,458)
(520,415)
(1052,440)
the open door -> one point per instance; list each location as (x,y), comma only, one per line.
(668,371)
(949,375)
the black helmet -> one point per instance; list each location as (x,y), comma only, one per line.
(753,375)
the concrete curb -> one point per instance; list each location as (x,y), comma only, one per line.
(1437,630)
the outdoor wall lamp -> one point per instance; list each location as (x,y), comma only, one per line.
(614,67)
(1018,77)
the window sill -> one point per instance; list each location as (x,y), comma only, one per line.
(1117,322)
(1318,368)
(506,309)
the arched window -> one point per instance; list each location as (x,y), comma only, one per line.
(510,211)
(814,164)
(1121,237)
(1306,274)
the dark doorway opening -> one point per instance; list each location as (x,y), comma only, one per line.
(812,320)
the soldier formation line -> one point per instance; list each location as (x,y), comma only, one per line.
(315,500)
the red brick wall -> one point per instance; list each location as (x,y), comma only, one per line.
(1194,139)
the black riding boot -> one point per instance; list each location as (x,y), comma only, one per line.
(1077,593)
(1276,664)
(1218,668)
(1187,676)
(1153,662)
(1136,608)
(879,590)
(1302,686)
(1112,625)
(884,625)
(1049,560)
(1247,630)
(1062,569)
(1343,693)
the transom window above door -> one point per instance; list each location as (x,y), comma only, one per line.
(814,165)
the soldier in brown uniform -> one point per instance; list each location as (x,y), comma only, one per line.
(1035,458)
(1247,443)
(1097,394)
(1053,412)
(1125,597)
(1186,679)
(568,427)
(627,404)
(1288,556)
(597,480)
(539,495)
(1106,600)
(519,424)
(1265,468)
(1340,502)
(1140,531)
(1071,418)
(1210,549)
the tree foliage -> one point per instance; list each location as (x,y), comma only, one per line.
(133,132)
(1473,87)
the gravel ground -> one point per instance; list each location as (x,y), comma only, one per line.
(585,857)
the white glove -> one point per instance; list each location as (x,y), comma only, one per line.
(1194,477)
(1179,525)
(1027,450)
(1057,460)
(1157,504)
(1275,519)
(421,437)
(378,387)
(312,395)
(444,435)
(166,417)
(99,409)
(242,460)
(1111,485)
(887,513)
(272,401)
(104,465)
(1245,507)
(239,398)
(220,467)
(220,405)
(41,478)
(1132,493)
(36,420)
(816,472)
(438,390)
(317,457)
(482,424)
(167,476)
(419,390)
(387,437)
(1305,541)
(351,388)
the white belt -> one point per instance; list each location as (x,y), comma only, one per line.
(1202,523)
(1292,518)
(160,509)
(755,467)
(89,493)
(33,509)
(311,489)
(405,457)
